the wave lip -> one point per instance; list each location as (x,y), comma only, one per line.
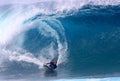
(60,7)
(98,2)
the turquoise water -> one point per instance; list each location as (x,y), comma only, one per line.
(84,38)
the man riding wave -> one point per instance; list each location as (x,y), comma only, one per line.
(52,64)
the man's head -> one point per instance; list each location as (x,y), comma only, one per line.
(55,62)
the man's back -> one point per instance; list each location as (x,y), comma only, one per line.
(53,65)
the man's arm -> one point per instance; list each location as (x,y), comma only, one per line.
(48,63)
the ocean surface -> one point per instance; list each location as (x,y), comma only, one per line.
(83,35)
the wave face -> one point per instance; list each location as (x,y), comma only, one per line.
(84,38)
(93,40)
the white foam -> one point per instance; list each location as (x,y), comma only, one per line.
(69,2)
(26,58)
(48,31)
(12,24)
(17,56)
(58,8)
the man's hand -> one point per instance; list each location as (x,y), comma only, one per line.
(48,63)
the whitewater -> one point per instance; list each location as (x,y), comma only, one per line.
(82,35)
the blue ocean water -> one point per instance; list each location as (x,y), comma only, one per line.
(84,38)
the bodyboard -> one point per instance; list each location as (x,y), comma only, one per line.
(48,68)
